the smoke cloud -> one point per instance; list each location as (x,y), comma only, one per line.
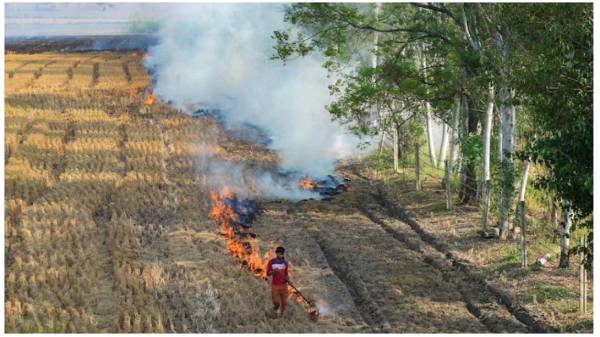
(218,56)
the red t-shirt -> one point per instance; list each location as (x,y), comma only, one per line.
(280,271)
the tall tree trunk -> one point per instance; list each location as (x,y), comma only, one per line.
(423,61)
(432,158)
(507,122)
(487,134)
(508,126)
(376,111)
(381,139)
(523,184)
(522,211)
(468,189)
(444,144)
(565,232)
(454,134)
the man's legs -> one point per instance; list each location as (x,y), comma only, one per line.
(279,294)
(276,299)
(283,293)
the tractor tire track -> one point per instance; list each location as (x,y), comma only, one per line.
(476,280)
(367,307)
(490,318)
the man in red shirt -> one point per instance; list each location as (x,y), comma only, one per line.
(278,269)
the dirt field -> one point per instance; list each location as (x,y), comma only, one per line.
(107,225)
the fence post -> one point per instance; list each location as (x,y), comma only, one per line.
(582,276)
(447,183)
(523,229)
(417,168)
(585,277)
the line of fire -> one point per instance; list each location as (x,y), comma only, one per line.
(236,217)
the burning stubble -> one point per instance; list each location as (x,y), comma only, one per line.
(235,218)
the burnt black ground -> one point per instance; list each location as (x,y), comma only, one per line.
(37,44)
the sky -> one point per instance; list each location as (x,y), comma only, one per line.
(36,19)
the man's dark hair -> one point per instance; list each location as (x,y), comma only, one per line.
(280,250)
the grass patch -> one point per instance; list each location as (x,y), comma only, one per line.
(439,207)
(510,260)
(552,292)
(585,325)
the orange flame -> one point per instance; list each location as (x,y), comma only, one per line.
(149,100)
(240,244)
(245,247)
(307,183)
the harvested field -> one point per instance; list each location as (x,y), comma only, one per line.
(107,225)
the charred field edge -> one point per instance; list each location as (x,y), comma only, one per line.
(76,43)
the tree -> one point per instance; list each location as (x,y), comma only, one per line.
(554,74)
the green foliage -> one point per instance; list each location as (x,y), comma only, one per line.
(472,148)
(557,87)
(542,51)
(552,292)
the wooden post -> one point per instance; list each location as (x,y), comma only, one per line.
(582,287)
(447,183)
(585,278)
(417,168)
(523,229)
(583,291)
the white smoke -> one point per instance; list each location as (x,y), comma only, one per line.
(218,55)
(250,183)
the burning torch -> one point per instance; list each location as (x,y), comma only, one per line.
(313,312)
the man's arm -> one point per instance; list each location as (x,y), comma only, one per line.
(269,269)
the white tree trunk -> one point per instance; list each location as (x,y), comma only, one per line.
(444,144)
(487,135)
(375,37)
(423,61)
(565,230)
(507,122)
(381,139)
(375,110)
(523,185)
(507,131)
(454,134)
(430,135)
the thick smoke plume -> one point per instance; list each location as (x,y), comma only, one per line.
(218,56)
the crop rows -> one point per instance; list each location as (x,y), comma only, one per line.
(51,72)
(92,188)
